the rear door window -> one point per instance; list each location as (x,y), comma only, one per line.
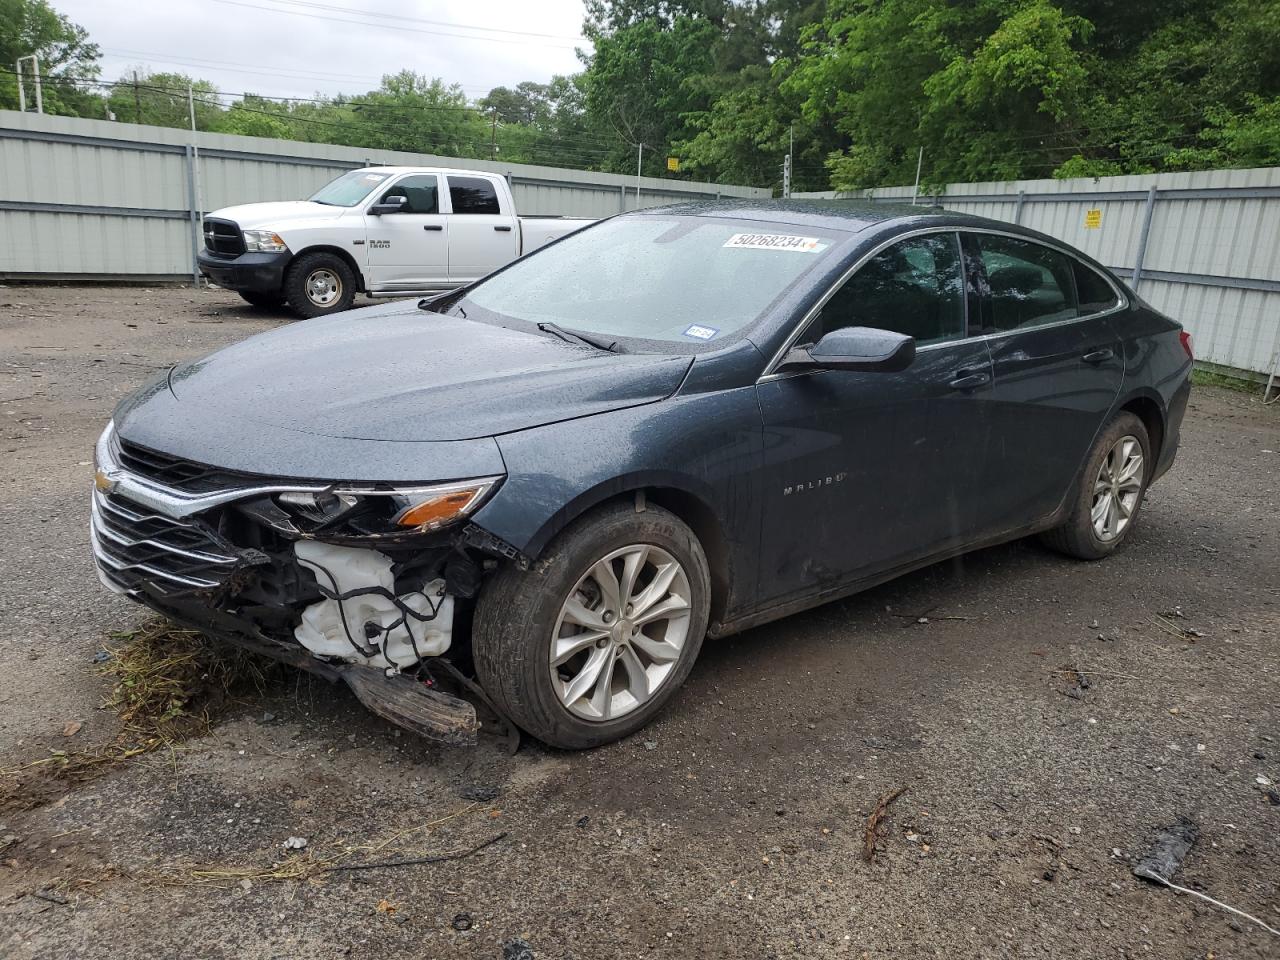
(913,287)
(473,195)
(1031,285)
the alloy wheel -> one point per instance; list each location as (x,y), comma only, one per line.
(1117,489)
(620,632)
(323,287)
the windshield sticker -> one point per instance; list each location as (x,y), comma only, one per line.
(775,241)
(374,177)
(699,332)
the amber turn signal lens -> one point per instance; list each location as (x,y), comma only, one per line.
(439,510)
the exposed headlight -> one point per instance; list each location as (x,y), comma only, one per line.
(352,511)
(263,241)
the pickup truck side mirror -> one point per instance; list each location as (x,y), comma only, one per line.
(392,204)
(854,348)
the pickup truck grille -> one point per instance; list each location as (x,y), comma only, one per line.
(135,547)
(222,238)
(174,472)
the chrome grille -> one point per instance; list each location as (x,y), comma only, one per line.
(136,547)
(174,472)
(222,238)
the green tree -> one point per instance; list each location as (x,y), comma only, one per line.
(412,112)
(67,58)
(160,99)
(254,116)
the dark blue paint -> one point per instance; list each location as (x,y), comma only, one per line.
(975,442)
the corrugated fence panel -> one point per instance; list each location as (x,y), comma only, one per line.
(226,181)
(1212,252)
(95,198)
(60,243)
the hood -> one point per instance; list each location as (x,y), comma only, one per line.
(278,213)
(399,373)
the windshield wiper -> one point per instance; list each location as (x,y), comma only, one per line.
(572,336)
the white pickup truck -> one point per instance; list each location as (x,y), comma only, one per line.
(381,231)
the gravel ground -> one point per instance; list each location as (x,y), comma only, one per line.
(732,827)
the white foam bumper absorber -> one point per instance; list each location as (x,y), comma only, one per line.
(370,627)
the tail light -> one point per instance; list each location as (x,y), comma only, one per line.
(1185,339)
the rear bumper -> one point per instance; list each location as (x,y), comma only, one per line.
(257,272)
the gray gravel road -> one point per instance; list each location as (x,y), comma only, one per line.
(733,827)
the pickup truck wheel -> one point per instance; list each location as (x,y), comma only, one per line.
(264,300)
(588,645)
(319,283)
(1110,495)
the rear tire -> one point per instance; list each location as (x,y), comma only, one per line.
(317,284)
(548,690)
(265,301)
(1109,497)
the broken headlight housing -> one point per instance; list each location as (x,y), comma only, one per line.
(349,511)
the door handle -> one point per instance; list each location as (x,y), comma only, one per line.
(1099,356)
(432,226)
(502,229)
(968,379)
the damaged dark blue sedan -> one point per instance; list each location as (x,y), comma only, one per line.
(536,495)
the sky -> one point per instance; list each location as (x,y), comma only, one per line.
(295,48)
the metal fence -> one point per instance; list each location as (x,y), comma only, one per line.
(95,199)
(1202,247)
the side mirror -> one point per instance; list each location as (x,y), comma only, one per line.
(854,348)
(388,205)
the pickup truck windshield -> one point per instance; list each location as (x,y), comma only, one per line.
(678,279)
(349,189)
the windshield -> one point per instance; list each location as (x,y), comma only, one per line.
(349,189)
(683,279)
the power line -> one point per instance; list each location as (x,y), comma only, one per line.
(312,4)
(400,29)
(251,69)
(602,149)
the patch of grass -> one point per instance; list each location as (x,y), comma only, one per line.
(1213,378)
(171,684)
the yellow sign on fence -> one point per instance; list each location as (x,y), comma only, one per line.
(673,164)
(1092,219)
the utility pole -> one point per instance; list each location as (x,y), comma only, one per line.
(639,161)
(916,189)
(493,134)
(195,156)
(137,100)
(786,167)
(22,93)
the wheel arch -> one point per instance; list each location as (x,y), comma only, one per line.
(1147,407)
(674,494)
(338,252)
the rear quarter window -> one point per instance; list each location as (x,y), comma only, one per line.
(1094,292)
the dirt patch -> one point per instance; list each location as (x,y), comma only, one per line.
(169,684)
(1048,716)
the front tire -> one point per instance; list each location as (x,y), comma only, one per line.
(1109,498)
(317,284)
(590,644)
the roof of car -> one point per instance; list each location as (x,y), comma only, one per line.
(846,215)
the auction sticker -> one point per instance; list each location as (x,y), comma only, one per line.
(699,332)
(775,241)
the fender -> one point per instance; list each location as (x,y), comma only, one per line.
(345,255)
(686,453)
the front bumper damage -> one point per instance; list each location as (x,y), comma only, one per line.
(378,616)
